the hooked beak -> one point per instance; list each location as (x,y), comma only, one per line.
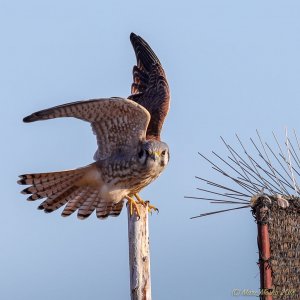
(154,155)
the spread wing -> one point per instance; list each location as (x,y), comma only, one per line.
(150,87)
(119,124)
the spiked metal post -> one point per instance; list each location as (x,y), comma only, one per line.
(139,254)
(268,183)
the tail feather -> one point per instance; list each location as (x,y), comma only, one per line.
(89,205)
(105,209)
(75,201)
(54,202)
(76,189)
(42,178)
(102,210)
(116,209)
(49,189)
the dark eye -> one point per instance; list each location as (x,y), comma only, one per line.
(141,153)
(163,152)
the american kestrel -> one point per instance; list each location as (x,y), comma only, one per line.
(130,154)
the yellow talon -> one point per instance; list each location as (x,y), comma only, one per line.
(139,199)
(133,206)
(152,207)
(144,203)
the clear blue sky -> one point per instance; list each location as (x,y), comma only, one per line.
(233,66)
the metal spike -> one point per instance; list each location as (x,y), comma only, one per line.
(253,173)
(219,211)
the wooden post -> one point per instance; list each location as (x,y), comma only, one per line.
(139,254)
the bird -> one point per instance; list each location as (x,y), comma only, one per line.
(130,153)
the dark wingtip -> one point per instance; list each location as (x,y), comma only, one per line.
(134,38)
(133,35)
(29,119)
(143,51)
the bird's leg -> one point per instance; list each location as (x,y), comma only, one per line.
(144,203)
(139,199)
(133,206)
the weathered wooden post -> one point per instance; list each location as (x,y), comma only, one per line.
(139,254)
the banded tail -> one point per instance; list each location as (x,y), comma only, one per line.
(78,189)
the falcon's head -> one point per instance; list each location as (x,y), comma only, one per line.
(154,154)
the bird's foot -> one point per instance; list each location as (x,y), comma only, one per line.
(151,207)
(133,206)
(146,203)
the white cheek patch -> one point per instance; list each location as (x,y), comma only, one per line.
(165,159)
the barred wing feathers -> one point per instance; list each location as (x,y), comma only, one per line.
(150,86)
(119,124)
